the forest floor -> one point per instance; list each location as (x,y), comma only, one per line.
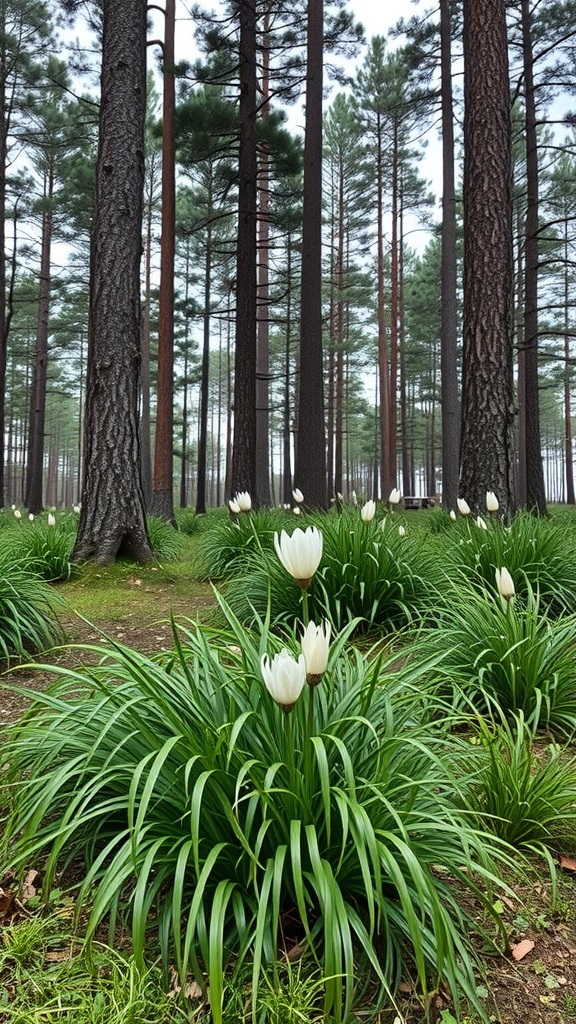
(535,983)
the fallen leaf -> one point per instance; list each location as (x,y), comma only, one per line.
(520,950)
(57,956)
(28,887)
(192,990)
(568,863)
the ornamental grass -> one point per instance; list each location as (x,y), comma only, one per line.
(507,655)
(232,831)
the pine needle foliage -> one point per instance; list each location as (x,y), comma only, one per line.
(202,811)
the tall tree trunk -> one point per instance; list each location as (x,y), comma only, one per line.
(205,373)
(263,296)
(310,475)
(448,327)
(163,483)
(530,399)
(35,461)
(393,413)
(570,497)
(386,482)
(145,426)
(487,455)
(288,403)
(244,448)
(112,518)
(3,318)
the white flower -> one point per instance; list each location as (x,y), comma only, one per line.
(297,495)
(394,496)
(481,523)
(492,503)
(339,496)
(300,553)
(463,506)
(76,509)
(234,507)
(285,678)
(297,510)
(17,513)
(31,517)
(505,583)
(315,644)
(51,519)
(402,531)
(354,497)
(368,511)
(452,515)
(243,500)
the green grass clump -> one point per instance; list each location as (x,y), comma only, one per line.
(374,573)
(43,544)
(165,541)
(507,655)
(527,800)
(50,980)
(208,817)
(230,541)
(540,553)
(28,619)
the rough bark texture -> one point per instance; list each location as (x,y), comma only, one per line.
(244,449)
(310,471)
(112,519)
(487,447)
(529,396)
(448,329)
(163,479)
(37,418)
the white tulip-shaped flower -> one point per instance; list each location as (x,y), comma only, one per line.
(401,531)
(492,503)
(300,553)
(297,510)
(31,517)
(243,500)
(395,496)
(505,583)
(315,645)
(17,513)
(481,523)
(76,509)
(368,511)
(463,506)
(234,507)
(297,495)
(51,519)
(285,678)
(452,515)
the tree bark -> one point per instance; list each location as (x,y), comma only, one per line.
(487,453)
(310,472)
(112,519)
(448,327)
(529,397)
(244,445)
(35,462)
(163,480)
